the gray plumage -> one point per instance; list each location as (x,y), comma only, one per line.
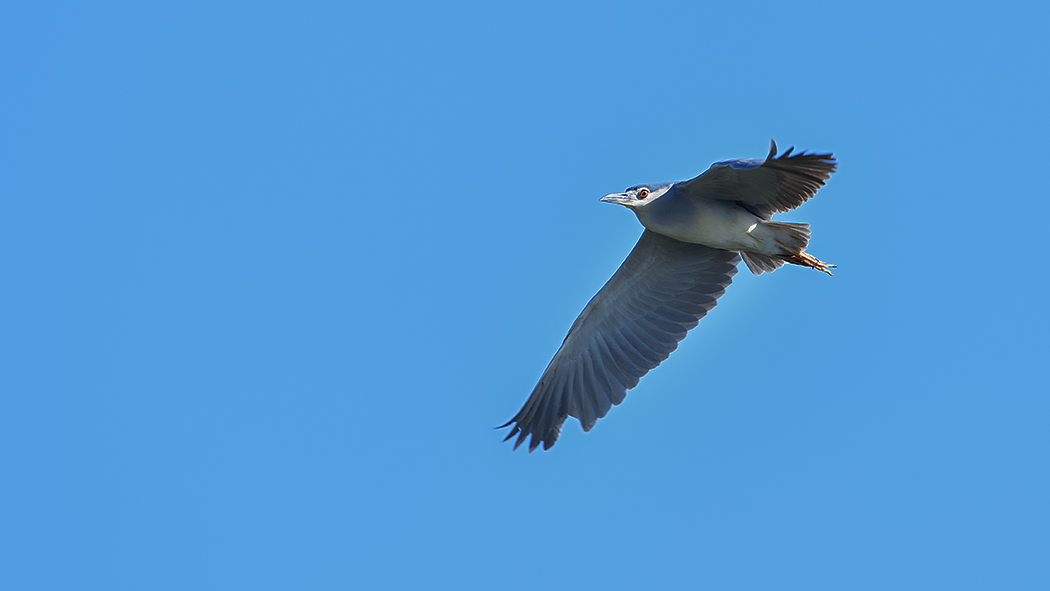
(682,264)
(765,187)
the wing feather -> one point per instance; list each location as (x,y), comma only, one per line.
(614,369)
(633,323)
(764,187)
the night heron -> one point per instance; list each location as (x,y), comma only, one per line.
(682,264)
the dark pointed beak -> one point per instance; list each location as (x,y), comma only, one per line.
(620,198)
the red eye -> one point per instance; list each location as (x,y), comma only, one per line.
(643,193)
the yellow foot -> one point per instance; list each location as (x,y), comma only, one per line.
(808,260)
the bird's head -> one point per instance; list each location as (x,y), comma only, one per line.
(638,195)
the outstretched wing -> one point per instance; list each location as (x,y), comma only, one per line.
(765,187)
(661,290)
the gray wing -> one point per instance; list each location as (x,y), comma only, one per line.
(661,290)
(765,187)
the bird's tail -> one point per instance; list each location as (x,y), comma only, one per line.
(792,240)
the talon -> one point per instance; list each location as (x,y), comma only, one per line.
(805,259)
(813,262)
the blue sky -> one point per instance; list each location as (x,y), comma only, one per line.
(272,274)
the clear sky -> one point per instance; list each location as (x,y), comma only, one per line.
(271,274)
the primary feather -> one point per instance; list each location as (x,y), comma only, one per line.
(660,292)
(764,187)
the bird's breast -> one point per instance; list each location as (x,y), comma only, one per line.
(718,224)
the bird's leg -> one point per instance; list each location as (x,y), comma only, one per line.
(807,260)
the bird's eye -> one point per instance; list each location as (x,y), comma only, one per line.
(643,193)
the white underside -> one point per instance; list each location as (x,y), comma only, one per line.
(716,224)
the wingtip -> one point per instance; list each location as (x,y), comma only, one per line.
(534,440)
(521,439)
(772,149)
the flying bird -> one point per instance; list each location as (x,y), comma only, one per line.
(696,231)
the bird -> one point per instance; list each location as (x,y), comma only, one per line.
(696,233)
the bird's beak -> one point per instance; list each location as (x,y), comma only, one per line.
(620,198)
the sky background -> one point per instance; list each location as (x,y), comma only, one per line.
(271,274)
